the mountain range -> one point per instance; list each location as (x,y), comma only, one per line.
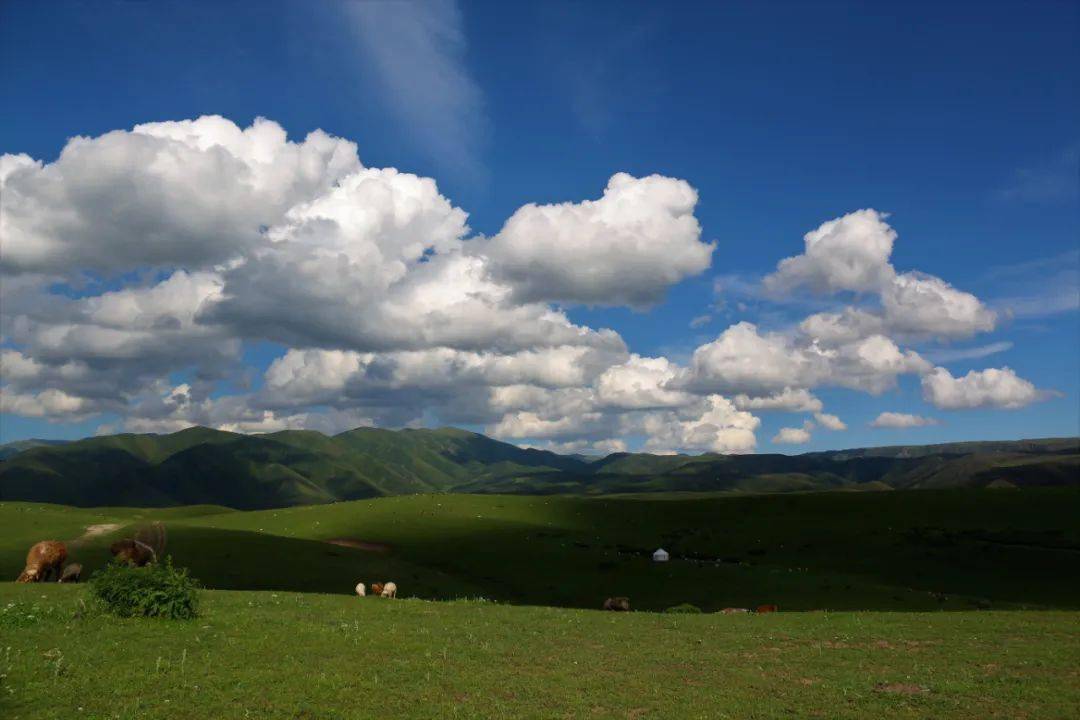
(298,467)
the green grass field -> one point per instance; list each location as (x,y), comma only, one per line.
(286,655)
(918,550)
(873,571)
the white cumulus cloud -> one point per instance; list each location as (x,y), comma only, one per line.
(852,254)
(830,422)
(716,427)
(789,400)
(794,435)
(901,420)
(626,248)
(190,193)
(848,253)
(923,304)
(141,266)
(993,387)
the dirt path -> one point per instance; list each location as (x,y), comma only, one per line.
(93,531)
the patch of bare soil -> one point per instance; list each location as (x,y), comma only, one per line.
(361,544)
(93,531)
(900,689)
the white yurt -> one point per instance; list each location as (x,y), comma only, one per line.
(661,555)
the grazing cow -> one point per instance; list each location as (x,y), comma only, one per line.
(376,589)
(617,604)
(72,573)
(762,609)
(153,536)
(734,611)
(360,589)
(133,552)
(389,590)
(44,559)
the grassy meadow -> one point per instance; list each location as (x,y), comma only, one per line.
(289,656)
(497,616)
(919,550)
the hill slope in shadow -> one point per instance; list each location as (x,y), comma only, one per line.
(301,467)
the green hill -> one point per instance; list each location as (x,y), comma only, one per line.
(14,448)
(282,469)
(936,549)
(199,465)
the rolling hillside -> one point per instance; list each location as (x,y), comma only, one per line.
(938,549)
(203,466)
(897,559)
(12,449)
(199,465)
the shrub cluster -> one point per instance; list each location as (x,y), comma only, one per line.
(156,590)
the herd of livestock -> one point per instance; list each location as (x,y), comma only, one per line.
(46,560)
(386,590)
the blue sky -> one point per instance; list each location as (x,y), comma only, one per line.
(960,122)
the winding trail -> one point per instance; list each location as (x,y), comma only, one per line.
(93,531)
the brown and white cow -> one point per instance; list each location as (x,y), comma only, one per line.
(44,559)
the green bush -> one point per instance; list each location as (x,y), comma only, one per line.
(684,608)
(157,590)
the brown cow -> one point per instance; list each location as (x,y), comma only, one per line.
(762,609)
(133,552)
(617,604)
(376,589)
(72,573)
(153,536)
(44,559)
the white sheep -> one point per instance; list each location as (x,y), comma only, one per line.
(389,590)
(360,589)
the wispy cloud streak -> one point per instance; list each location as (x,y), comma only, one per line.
(418,50)
(1055,180)
(1038,288)
(972,353)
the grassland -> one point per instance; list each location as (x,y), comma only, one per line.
(289,656)
(924,550)
(858,563)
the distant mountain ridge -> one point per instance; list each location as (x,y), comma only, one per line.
(14,448)
(297,467)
